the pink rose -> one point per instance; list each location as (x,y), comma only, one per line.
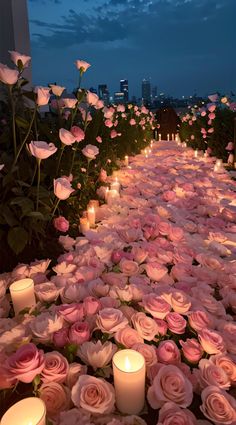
(16,56)
(90,151)
(155,305)
(94,395)
(81,65)
(42,150)
(55,369)
(128,267)
(60,223)
(146,326)
(69,103)
(55,396)
(192,350)
(199,320)
(161,327)
(66,137)
(46,292)
(211,374)
(218,406)
(78,133)
(99,139)
(92,98)
(176,323)
(57,90)
(43,95)
(172,414)
(75,370)
(148,352)
(226,363)
(110,320)
(168,352)
(127,337)
(71,312)
(8,75)
(180,302)
(62,188)
(25,363)
(175,234)
(61,337)
(170,384)
(155,271)
(79,333)
(96,354)
(91,306)
(211,341)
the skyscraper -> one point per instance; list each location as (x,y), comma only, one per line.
(103,93)
(146,92)
(124,88)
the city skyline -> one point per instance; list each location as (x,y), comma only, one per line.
(181,45)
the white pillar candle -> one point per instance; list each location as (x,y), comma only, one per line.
(205,154)
(129,381)
(115,185)
(112,195)
(29,411)
(172,136)
(219,162)
(91,215)
(84,225)
(216,168)
(94,203)
(184,145)
(196,153)
(168,137)
(159,137)
(22,294)
(126,160)
(235,165)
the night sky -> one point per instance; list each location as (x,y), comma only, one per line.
(182,45)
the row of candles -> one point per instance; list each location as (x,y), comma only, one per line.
(218,167)
(170,137)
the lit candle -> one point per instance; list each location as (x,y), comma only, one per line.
(205,154)
(184,145)
(29,411)
(216,168)
(84,225)
(111,197)
(126,160)
(22,294)
(115,185)
(219,162)
(91,215)
(159,136)
(172,136)
(129,381)
(168,137)
(196,153)
(235,165)
(149,151)
(94,203)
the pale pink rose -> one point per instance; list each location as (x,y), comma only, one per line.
(115,279)
(90,151)
(108,112)
(60,223)
(155,271)
(139,254)
(108,123)
(192,350)
(75,370)
(211,107)
(226,363)
(71,313)
(146,326)
(155,305)
(43,95)
(44,325)
(127,337)
(61,337)
(199,320)
(69,102)
(57,90)
(211,374)
(91,305)
(25,363)
(56,368)
(62,188)
(161,327)
(175,234)
(132,121)
(169,195)
(96,354)
(74,417)
(180,302)
(218,406)
(78,133)
(79,333)
(94,395)
(42,150)
(110,320)
(128,267)
(114,134)
(99,139)
(211,341)
(176,323)
(55,396)
(120,108)
(148,352)
(92,98)
(16,56)
(8,75)
(168,352)
(172,414)
(170,384)
(46,292)
(230,146)
(81,65)
(66,137)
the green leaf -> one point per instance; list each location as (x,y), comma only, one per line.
(24,203)
(17,239)
(21,122)
(9,216)
(36,214)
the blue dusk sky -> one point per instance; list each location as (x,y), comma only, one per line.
(181,45)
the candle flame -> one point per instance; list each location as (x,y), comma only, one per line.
(116,180)
(127,363)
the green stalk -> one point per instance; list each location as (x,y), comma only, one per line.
(13,118)
(55,207)
(60,157)
(38,184)
(26,137)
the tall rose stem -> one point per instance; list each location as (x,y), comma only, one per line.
(13,119)
(26,137)
(59,159)
(55,207)
(38,184)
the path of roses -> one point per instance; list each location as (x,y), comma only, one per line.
(158,274)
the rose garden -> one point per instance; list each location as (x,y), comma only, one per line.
(117,260)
